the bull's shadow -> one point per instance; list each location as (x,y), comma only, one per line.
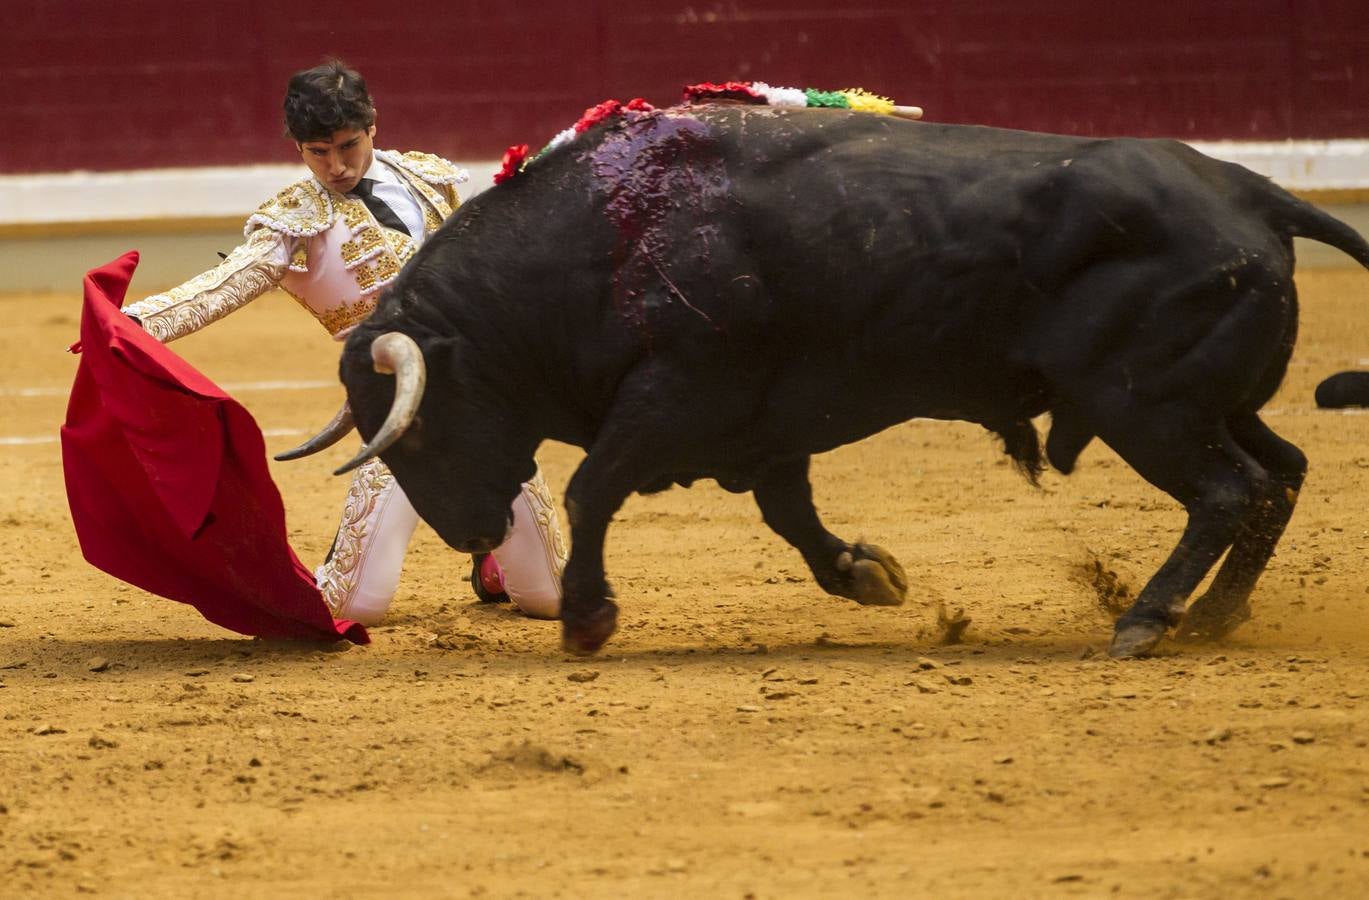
(893,655)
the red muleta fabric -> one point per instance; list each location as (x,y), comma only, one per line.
(168,485)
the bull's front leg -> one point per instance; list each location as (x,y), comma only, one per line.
(863,572)
(596,491)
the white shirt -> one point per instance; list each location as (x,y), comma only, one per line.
(391,188)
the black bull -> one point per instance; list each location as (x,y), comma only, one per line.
(723,291)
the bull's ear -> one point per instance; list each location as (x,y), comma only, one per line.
(444,356)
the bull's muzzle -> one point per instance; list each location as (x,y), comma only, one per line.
(482,544)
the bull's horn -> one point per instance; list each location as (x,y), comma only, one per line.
(394,353)
(334,431)
(907,112)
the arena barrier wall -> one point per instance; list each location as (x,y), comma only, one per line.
(55,226)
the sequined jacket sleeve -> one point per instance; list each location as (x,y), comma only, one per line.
(251,270)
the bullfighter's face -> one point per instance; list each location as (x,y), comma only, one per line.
(339,161)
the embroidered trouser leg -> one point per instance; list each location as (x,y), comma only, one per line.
(534,554)
(360,577)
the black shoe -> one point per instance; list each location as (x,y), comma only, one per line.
(478,585)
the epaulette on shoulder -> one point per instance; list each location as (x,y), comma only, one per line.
(430,167)
(301,210)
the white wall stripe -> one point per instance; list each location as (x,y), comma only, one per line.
(160,194)
(234,191)
(234,387)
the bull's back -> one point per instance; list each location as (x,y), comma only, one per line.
(860,194)
(830,251)
(952,268)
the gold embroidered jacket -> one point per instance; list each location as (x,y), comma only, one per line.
(323,248)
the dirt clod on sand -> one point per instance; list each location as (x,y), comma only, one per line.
(528,757)
(1113,593)
(951,625)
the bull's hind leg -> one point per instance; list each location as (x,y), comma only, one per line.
(1218,484)
(863,572)
(1226,604)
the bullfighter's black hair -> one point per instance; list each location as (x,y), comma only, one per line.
(326,99)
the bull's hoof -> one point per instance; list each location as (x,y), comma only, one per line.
(1136,639)
(584,636)
(876,578)
(1209,621)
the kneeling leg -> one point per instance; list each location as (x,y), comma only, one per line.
(533,556)
(359,578)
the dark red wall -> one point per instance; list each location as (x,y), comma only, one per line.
(140,83)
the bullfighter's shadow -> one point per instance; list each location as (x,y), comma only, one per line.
(157,655)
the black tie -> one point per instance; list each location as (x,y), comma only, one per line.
(378,207)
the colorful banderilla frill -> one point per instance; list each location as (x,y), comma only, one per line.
(759,92)
(516,158)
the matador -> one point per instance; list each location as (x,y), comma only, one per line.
(332,241)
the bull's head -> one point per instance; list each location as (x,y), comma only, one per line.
(456,466)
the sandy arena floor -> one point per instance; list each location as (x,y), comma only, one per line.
(743,735)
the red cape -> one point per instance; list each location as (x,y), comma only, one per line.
(168,484)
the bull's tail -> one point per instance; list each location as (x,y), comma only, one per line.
(1344,389)
(1298,218)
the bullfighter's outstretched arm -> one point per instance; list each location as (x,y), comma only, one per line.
(253,268)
